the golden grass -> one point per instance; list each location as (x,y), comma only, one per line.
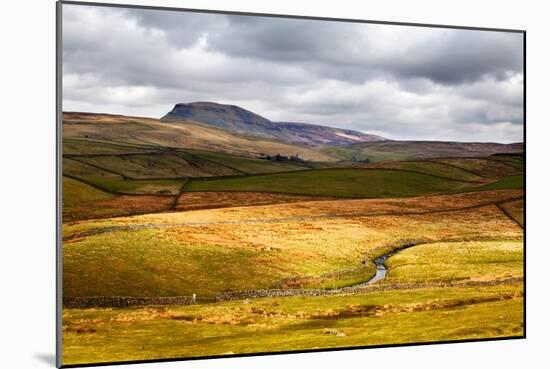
(340,207)
(489,168)
(515,209)
(305,243)
(457,261)
(209,251)
(82,201)
(211,200)
(292,323)
(188,134)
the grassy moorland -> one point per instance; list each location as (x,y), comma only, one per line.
(486,167)
(77,194)
(457,261)
(109,181)
(248,165)
(125,166)
(336,182)
(377,151)
(135,187)
(515,210)
(157,209)
(319,244)
(147,132)
(82,201)
(296,211)
(86,146)
(158,165)
(196,200)
(293,323)
(506,182)
(428,167)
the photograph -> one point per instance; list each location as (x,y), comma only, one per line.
(241,184)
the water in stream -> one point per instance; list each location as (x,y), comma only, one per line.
(380,262)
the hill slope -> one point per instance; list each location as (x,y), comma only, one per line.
(409,150)
(153,133)
(237,119)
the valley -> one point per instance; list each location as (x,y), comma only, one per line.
(180,208)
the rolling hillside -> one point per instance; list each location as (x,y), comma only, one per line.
(336,182)
(153,133)
(409,150)
(237,119)
(109,133)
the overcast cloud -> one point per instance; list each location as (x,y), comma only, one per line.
(396,81)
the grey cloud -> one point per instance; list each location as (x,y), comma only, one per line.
(450,57)
(183,29)
(127,48)
(463,56)
(284,40)
(401,82)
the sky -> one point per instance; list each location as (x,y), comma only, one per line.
(400,82)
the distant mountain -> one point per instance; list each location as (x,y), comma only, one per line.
(417,150)
(236,119)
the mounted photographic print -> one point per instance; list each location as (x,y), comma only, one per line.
(238,184)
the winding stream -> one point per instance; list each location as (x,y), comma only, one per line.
(380,262)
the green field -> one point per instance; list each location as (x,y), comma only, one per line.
(153,262)
(82,170)
(82,201)
(142,162)
(336,182)
(457,261)
(516,161)
(116,183)
(135,187)
(506,182)
(74,146)
(247,165)
(292,323)
(431,168)
(161,165)
(143,263)
(114,174)
(76,194)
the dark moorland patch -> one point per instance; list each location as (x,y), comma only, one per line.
(336,182)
